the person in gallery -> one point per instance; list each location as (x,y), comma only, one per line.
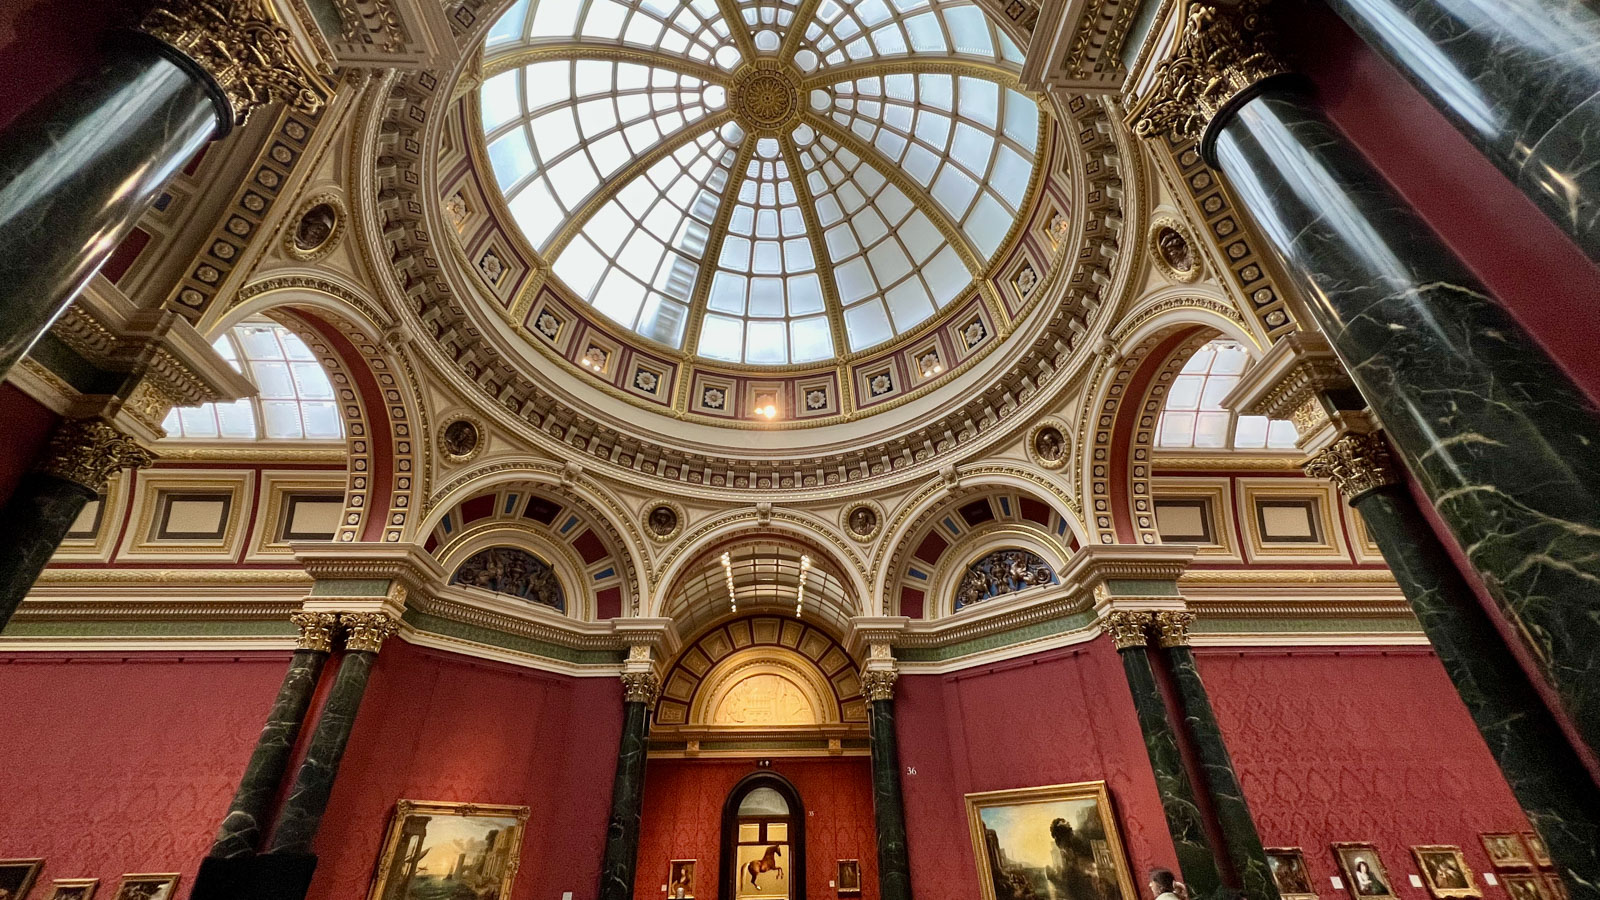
(1166,886)
(1368,884)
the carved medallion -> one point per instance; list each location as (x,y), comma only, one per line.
(663,520)
(1002,572)
(863,521)
(460,440)
(1047,444)
(766,96)
(1173,251)
(318,228)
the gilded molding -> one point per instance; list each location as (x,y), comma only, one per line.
(89,451)
(1356,463)
(878,684)
(1219,54)
(366,631)
(641,687)
(1128,629)
(236,42)
(1172,627)
(316,630)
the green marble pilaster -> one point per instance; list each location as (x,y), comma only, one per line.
(1239,835)
(888,805)
(242,828)
(1545,773)
(620,863)
(1196,860)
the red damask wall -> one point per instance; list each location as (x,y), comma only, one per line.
(437,726)
(1056,717)
(1358,745)
(683,801)
(28,425)
(117,763)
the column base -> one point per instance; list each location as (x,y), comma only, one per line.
(267,876)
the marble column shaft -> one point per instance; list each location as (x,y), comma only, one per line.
(1547,777)
(308,798)
(1195,857)
(1243,843)
(33,522)
(242,828)
(1519,78)
(888,806)
(79,168)
(1501,442)
(620,863)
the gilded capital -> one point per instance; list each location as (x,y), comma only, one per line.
(1128,629)
(640,687)
(1356,463)
(367,631)
(878,684)
(1220,53)
(1172,627)
(90,451)
(237,43)
(316,630)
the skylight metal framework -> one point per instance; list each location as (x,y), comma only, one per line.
(761,182)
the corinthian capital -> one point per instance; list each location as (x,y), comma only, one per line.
(878,684)
(640,687)
(90,451)
(238,44)
(316,630)
(1172,627)
(367,631)
(1356,463)
(1220,53)
(1128,629)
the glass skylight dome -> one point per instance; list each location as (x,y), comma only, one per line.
(760,181)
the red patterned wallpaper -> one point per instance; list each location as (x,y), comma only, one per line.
(683,801)
(119,763)
(1358,745)
(1056,717)
(436,726)
(28,425)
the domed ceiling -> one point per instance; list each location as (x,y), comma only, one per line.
(800,186)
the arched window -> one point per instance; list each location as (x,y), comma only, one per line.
(1194,417)
(295,400)
(763,839)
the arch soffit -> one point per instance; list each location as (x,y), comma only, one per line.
(570,570)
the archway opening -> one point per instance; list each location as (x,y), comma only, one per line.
(763,840)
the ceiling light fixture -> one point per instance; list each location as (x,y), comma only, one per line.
(800,594)
(727,573)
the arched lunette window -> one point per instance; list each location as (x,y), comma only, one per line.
(1194,418)
(295,399)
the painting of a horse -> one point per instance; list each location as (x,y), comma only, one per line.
(767,863)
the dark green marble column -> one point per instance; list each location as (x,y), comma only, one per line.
(1497,437)
(1242,842)
(76,465)
(1519,78)
(308,798)
(241,831)
(620,864)
(1129,631)
(888,806)
(1548,779)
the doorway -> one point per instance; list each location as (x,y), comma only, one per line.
(763,840)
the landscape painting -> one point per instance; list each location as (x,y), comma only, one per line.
(442,851)
(1058,842)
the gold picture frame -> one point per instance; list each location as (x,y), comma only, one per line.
(148,886)
(73,888)
(1525,886)
(1537,850)
(1445,871)
(493,832)
(848,879)
(1555,887)
(18,875)
(680,879)
(1078,816)
(1290,874)
(1365,875)
(1506,850)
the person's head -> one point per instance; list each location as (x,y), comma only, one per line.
(1362,867)
(1161,881)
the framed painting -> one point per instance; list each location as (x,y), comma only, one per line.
(1537,850)
(1059,841)
(1525,887)
(437,849)
(1364,874)
(1506,851)
(680,879)
(17,877)
(162,886)
(1445,872)
(73,888)
(1289,873)
(849,879)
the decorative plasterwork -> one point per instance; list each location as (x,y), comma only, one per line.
(1356,463)
(862,520)
(291,233)
(655,524)
(242,47)
(88,452)
(1079,48)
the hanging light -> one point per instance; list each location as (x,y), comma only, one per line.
(800,593)
(727,573)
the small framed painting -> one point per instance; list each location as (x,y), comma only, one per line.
(17,876)
(1364,874)
(680,879)
(1289,873)
(73,888)
(1445,871)
(1506,851)
(1537,850)
(1525,887)
(148,887)
(849,880)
